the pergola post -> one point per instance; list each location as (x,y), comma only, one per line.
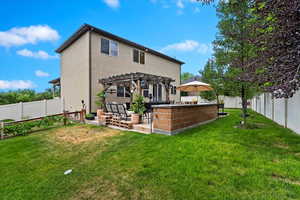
(167,89)
(139,88)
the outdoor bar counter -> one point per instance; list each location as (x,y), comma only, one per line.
(174,118)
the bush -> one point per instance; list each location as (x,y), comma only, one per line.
(138,106)
(90,116)
(24,128)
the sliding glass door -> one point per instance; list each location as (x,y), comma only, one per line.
(157,92)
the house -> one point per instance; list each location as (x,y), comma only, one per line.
(91,54)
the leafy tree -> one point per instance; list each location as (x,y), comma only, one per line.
(213,74)
(25,96)
(233,48)
(186,76)
(276,31)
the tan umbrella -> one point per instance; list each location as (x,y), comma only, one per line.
(195,86)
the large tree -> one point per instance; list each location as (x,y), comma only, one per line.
(276,33)
(232,46)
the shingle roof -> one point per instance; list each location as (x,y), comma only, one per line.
(86,27)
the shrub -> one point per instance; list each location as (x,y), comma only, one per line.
(138,106)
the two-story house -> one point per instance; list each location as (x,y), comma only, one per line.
(91,54)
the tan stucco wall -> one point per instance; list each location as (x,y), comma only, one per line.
(75,74)
(104,66)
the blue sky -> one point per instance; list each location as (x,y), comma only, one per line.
(31,30)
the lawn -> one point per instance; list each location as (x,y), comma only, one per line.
(213,161)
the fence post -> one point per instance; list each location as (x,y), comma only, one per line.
(285,112)
(265,105)
(2,130)
(273,108)
(20,110)
(65,117)
(82,115)
(45,107)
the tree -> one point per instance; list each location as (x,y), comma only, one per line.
(25,96)
(277,36)
(232,46)
(213,74)
(186,76)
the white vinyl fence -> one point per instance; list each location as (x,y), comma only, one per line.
(29,110)
(285,112)
(229,102)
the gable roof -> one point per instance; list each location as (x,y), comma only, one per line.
(86,27)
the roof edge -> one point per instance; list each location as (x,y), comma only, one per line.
(86,27)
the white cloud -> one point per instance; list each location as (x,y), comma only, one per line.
(112,3)
(18,36)
(16,84)
(180,4)
(38,54)
(189,45)
(40,73)
(205,48)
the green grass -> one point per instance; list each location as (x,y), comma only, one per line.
(213,161)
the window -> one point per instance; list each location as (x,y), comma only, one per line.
(157,92)
(120,91)
(135,56)
(123,91)
(138,56)
(142,57)
(109,47)
(104,46)
(113,48)
(146,93)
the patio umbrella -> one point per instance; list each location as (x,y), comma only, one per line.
(195,86)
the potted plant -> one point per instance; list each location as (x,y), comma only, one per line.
(138,109)
(100,102)
(90,117)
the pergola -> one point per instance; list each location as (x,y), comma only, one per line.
(134,81)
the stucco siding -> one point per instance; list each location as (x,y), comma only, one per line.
(103,66)
(75,74)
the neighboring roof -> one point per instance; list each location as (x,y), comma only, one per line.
(55,82)
(195,78)
(86,27)
(128,77)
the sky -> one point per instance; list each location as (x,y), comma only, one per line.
(31,30)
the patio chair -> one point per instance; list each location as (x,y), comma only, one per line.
(108,108)
(122,111)
(114,108)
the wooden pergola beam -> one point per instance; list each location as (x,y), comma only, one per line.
(129,78)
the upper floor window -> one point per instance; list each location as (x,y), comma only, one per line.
(138,56)
(109,47)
